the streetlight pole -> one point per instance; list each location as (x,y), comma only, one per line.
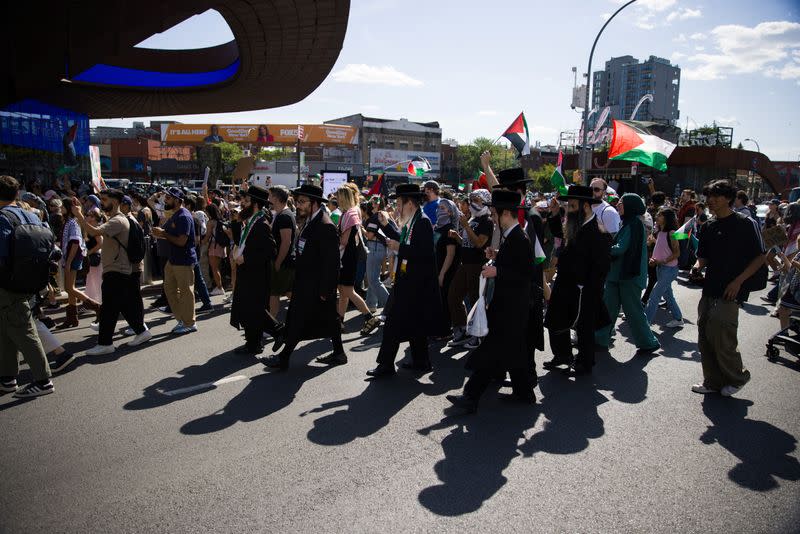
(584,157)
(755,142)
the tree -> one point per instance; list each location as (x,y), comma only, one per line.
(469,162)
(231,153)
(541,178)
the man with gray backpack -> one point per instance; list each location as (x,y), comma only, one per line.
(25,249)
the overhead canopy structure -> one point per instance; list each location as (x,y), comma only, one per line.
(81,55)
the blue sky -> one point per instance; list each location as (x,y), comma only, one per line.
(473,66)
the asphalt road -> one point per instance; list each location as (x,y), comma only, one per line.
(129,443)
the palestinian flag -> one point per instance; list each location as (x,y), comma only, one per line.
(538,253)
(642,142)
(517,134)
(377,187)
(480,182)
(684,232)
(557,180)
(418,166)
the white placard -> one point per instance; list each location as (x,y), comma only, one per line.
(332,180)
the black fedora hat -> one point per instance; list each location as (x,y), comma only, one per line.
(259,193)
(407,190)
(512,177)
(580,192)
(505,199)
(314,192)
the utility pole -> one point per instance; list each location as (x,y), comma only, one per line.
(586,158)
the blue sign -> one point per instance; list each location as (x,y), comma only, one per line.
(34,124)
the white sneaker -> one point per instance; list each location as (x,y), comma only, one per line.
(700,388)
(177,327)
(129,331)
(675,323)
(217,291)
(100,350)
(185,330)
(144,337)
(728,391)
(95,326)
(227,299)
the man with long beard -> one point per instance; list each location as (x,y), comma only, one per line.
(416,306)
(253,256)
(312,311)
(577,297)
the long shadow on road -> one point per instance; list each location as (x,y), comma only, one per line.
(762,449)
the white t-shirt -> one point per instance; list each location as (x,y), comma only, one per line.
(200,220)
(608,216)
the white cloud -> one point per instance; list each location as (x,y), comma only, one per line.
(764,48)
(699,36)
(656,5)
(369,74)
(605,16)
(645,24)
(684,14)
(487,113)
(676,56)
(681,38)
(699,48)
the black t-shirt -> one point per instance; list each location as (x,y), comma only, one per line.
(373,225)
(481,226)
(441,250)
(283,220)
(728,245)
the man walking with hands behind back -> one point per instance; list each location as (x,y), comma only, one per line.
(179,272)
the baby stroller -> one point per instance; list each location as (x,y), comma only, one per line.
(788,338)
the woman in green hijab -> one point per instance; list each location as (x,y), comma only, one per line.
(628,277)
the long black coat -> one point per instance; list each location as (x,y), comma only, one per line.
(506,345)
(316,275)
(585,261)
(251,294)
(416,303)
(535,227)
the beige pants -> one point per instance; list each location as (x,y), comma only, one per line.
(179,288)
(717,325)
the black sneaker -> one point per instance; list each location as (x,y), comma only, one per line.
(62,361)
(8,384)
(35,389)
(339,358)
(205,308)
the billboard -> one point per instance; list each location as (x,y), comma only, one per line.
(34,124)
(258,134)
(381,158)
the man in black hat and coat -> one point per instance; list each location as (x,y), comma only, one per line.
(506,348)
(577,297)
(533,225)
(253,253)
(312,311)
(416,306)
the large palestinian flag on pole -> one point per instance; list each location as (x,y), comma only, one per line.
(517,134)
(642,142)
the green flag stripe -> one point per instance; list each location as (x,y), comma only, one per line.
(653,159)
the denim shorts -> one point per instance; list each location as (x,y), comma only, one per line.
(77,263)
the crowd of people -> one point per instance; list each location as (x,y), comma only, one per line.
(416,265)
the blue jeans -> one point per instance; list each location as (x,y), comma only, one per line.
(200,287)
(663,288)
(377,294)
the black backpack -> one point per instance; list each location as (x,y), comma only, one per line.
(137,246)
(27,270)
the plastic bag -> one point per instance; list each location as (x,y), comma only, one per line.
(477,323)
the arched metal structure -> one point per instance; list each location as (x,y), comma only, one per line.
(80,55)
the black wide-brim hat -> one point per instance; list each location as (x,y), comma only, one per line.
(407,190)
(580,192)
(314,192)
(512,177)
(259,193)
(505,199)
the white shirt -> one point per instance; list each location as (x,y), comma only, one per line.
(608,216)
